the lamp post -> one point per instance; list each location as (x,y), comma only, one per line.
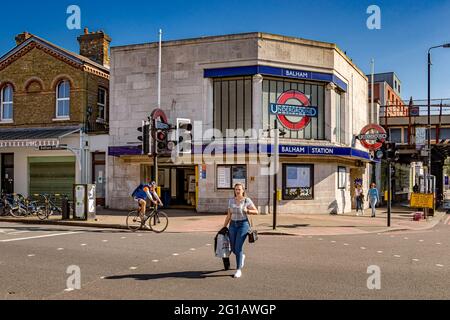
(447,45)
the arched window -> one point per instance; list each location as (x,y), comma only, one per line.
(63,99)
(7,103)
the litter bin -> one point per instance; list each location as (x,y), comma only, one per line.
(65,208)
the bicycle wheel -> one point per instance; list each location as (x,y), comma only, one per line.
(159,222)
(134,221)
(42,213)
(18,212)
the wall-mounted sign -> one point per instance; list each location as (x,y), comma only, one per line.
(293,116)
(293,110)
(373,136)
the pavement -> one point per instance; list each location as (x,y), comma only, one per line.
(187,221)
(54,262)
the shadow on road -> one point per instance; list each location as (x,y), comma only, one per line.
(183,274)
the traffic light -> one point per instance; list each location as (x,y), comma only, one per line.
(184,136)
(390,151)
(145,137)
(162,141)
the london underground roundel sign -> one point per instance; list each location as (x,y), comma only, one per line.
(293,116)
(372,137)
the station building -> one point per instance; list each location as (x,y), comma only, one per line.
(243,82)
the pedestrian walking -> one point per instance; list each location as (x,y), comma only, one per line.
(374,197)
(239,208)
(359,198)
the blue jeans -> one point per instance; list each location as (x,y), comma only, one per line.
(238,234)
(359,204)
(373,205)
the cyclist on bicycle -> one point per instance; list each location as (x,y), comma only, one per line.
(143,192)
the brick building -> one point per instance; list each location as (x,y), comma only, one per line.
(54,115)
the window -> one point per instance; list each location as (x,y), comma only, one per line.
(229,176)
(298,182)
(342,178)
(395,135)
(101,103)
(63,99)
(273,88)
(7,103)
(233,105)
(399,89)
(340,118)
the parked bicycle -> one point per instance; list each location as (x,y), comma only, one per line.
(158,220)
(49,207)
(11,205)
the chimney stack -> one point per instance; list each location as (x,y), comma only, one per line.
(22,37)
(95,46)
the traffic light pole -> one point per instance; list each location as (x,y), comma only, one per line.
(154,153)
(275,176)
(389,193)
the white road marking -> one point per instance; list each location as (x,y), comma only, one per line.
(415,260)
(439,265)
(209,245)
(31,255)
(421,240)
(363,248)
(104,240)
(333,241)
(83,244)
(406,238)
(69,290)
(320,239)
(44,236)
(438,243)
(133,268)
(397,256)
(102,278)
(176,254)
(346,244)
(192,249)
(123,238)
(18,232)
(380,251)
(60,249)
(155,261)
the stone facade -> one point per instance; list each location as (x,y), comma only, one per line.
(186,93)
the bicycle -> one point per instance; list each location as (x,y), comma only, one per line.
(158,220)
(49,208)
(11,206)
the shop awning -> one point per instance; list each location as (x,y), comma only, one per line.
(34,137)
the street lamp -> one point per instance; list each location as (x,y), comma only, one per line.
(446,45)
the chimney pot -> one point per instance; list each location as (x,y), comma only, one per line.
(20,38)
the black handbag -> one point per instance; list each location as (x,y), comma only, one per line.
(252,233)
(252,236)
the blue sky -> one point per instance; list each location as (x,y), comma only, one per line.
(408,28)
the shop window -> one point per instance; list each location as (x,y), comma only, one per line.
(233,105)
(6,100)
(342,178)
(229,176)
(298,182)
